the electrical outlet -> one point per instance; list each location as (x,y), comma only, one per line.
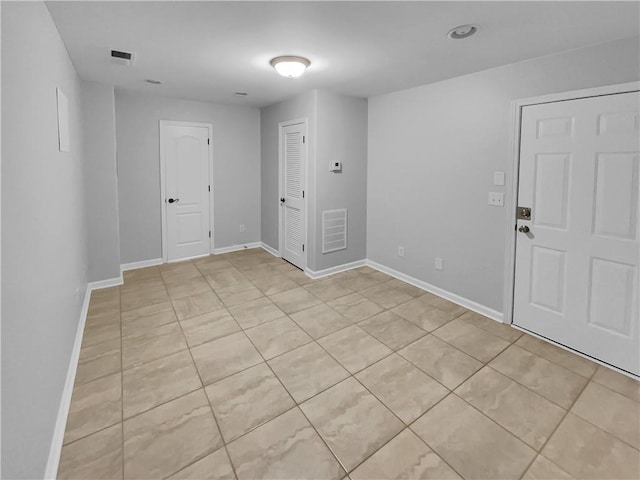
(241,228)
(401,251)
(438,263)
(496,199)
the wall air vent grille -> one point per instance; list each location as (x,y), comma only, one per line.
(334,230)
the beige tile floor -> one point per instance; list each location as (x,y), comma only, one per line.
(239,366)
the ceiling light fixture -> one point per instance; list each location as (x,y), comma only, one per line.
(290,66)
(153,82)
(463,31)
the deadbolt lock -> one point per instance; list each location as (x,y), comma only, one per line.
(523,213)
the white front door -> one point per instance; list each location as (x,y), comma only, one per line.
(577,268)
(185,156)
(293,202)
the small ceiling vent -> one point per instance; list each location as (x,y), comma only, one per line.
(122,58)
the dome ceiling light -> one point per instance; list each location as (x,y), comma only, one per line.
(463,31)
(290,66)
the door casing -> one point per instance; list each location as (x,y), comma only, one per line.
(281,126)
(513,173)
(168,123)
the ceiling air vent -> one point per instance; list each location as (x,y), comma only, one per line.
(121,58)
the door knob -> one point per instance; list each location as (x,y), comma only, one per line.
(171,200)
(282,200)
(524,229)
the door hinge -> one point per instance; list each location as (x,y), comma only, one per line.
(209,187)
(209,233)
(208,141)
(303,247)
(302,193)
(304,139)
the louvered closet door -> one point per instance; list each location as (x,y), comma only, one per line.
(294,174)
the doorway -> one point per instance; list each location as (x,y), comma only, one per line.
(293,192)
(186,189)
(575,279)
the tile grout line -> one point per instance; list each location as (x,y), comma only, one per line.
(486,364)
(215,419)
(353,375)
(295,403)
(457,349)
(558,426)
(529,389)
(396,351)
(588,379)
(298,405)
(449,393)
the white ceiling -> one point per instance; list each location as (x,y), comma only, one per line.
(209,50)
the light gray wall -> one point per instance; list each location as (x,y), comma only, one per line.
(236,156)
(101,181)
(302,106)
(432,154)
(337,130)
(44,256)
(342,136)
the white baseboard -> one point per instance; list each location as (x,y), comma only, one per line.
(143,263)
(65,402)
(178,260)
(330,271)
(269,249)
(109,282)
(452,297)
(236,248)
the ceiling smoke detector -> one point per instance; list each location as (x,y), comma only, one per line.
(241,94)
(290,66)
(463,31)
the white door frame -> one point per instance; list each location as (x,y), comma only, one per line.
(513,173)
(169,123)
(281,126)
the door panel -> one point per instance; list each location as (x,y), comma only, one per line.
(577,269)
(611,280)
(294,171)
(552,188)
(185,151)
(616,196)
(547,278)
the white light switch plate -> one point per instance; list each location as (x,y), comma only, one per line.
(498,178)
(496,199)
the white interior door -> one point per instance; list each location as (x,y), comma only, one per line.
(185,156)
(577,268)
(293,202)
